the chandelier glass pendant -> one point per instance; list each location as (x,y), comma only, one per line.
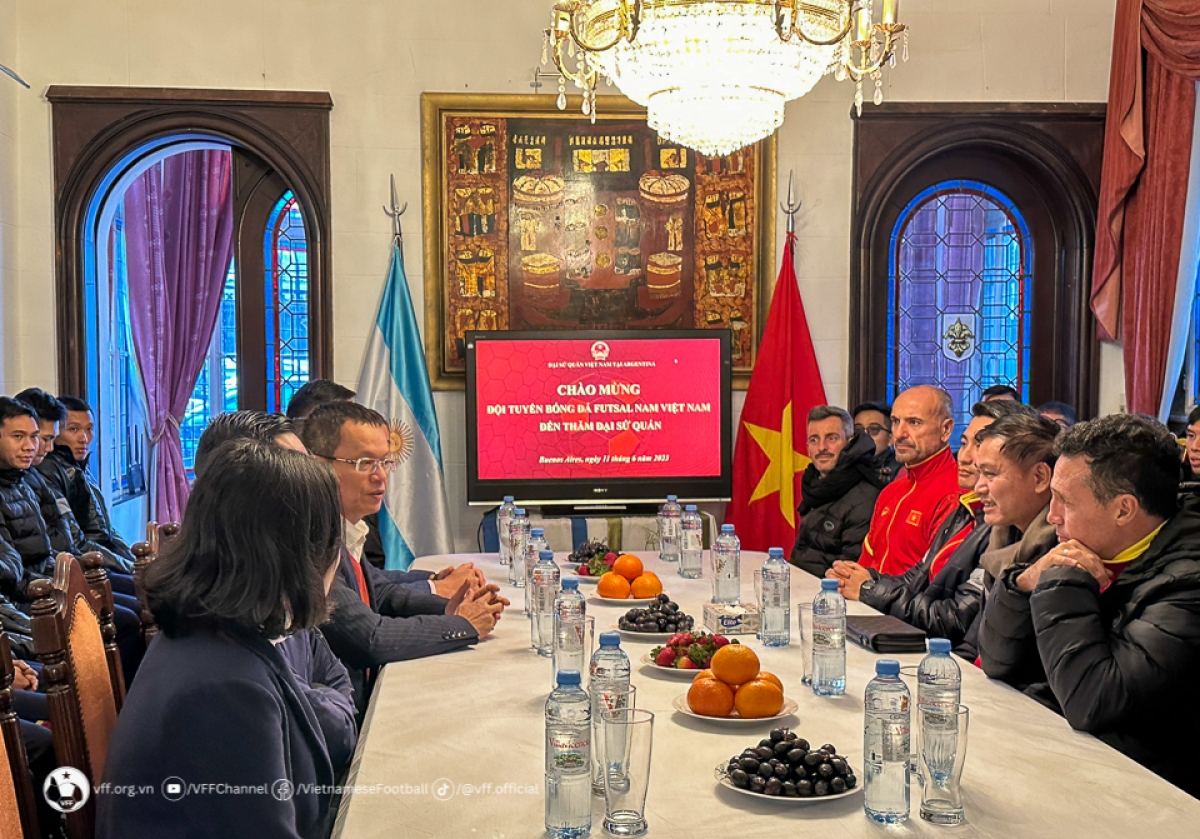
(714,75)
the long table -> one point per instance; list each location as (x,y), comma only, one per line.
(440,730)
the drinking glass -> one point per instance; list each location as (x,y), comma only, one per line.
(606,699)
(909,674)
(943,752)
(804,615)
(625,746)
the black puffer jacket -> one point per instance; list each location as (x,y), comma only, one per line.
(1120,664)
(836,510)
(56,512)
(15,624)
(68,477)
(26,548)
(946,606)
(886,465)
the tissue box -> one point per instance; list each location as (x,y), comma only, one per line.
(731,619)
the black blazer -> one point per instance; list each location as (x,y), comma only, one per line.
(400,623)
(212,710)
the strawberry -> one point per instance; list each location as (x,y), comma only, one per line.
(584,570)
(666,657)
(686,639)
(676,640)
(610,558)
(685,663)
(719,641)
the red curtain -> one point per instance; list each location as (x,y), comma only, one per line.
(1143,189)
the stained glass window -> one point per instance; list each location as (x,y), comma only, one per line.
(286,253)
(960,294)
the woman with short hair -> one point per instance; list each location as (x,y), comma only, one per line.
(214,704)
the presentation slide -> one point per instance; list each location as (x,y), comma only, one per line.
(580,409)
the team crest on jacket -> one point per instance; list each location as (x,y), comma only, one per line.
(914,518)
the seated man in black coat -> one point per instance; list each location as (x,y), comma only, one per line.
(839,489)
(1106,626)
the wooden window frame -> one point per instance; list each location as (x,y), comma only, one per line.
(95,128)
(1046,157)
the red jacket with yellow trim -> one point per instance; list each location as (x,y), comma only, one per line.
(909,512)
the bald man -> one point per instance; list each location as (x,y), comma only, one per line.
(911,508)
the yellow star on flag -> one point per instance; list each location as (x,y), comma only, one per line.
(780,475)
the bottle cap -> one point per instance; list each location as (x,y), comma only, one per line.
(570,584)
(672,497)
(939,645)
(537,531)
(571,677)
(545,556)
(883,667)
(727,528)
(691,508)
(775,553)
(610,639)
(829,585)
(520,511)
(508,499)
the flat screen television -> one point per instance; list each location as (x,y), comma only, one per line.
(598,418)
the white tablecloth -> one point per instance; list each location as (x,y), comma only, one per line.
(440,730)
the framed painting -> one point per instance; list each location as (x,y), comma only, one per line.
(538,219)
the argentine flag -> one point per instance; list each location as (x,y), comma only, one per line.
(415,519)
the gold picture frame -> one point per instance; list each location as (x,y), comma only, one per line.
(536,218)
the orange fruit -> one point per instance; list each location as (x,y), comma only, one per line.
(628,566)
(734,664)
(757,699)
(612,585)
(710,698)
(705,674)
(647,585)
(770,677)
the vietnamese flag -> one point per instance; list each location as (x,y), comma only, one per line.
(770,453)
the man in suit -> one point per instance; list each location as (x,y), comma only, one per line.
(375,620)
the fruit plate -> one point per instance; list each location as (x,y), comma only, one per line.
(583,581)
(648,660)
(679,703)
(650,637)
(723,779)
(625,601)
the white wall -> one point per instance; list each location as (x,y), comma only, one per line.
(376,57)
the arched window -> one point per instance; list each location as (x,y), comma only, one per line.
(960,294)
(287,303)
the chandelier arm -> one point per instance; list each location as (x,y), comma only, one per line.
(621,31)
(857,72)
(580,80)
(797,28)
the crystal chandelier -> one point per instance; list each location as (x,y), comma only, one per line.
(714,75)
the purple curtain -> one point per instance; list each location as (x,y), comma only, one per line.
(179,239)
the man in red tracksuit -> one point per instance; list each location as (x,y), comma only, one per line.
(911,508)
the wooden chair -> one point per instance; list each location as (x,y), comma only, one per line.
(18,807)
(144,554)
(75,639)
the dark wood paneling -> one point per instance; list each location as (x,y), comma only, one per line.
(1047,158)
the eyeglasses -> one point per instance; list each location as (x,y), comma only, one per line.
(874,429)
(366,465)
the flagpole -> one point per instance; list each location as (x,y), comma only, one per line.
(395,211)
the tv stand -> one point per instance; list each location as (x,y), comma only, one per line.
(600,509)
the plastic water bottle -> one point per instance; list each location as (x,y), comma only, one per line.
(609,669)
(776,616)
(691,547)
(829,641)
(570,629)
(545,587)
(886,744)
(727,567)
(503,518)
(533,549)
(518,533)
(610,665)
(669,530)
(568,759)
(939,688)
